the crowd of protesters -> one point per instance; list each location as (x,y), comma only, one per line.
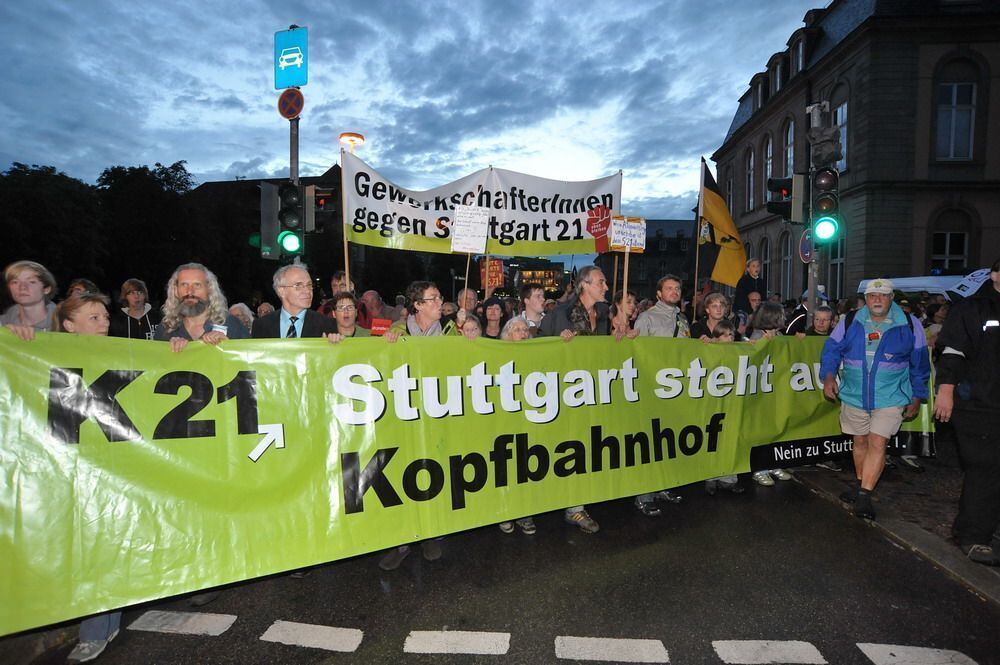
(195,309)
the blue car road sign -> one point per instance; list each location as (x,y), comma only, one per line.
(291,58)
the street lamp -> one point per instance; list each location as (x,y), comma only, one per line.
(352,139)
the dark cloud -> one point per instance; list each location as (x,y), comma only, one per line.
(109,82)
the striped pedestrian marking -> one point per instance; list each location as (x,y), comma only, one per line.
(330,638)
(457,641)
(184,623)
(758,652)
(611,649)
(895,654)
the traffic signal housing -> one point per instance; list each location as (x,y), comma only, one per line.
(786,197)
(291,219)
(327,207)
(826,205)
(269,221)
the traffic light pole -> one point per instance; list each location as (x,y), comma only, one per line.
(293,150)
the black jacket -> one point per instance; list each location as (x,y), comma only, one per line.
(744,287)
(314,325)
(559,319)
(123,325)
(973,328)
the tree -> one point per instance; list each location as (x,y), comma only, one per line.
(149,231)
(49,217)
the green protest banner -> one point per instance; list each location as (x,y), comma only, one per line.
(131,473)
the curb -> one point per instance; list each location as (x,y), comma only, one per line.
(983,580)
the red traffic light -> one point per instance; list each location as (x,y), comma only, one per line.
(826,179)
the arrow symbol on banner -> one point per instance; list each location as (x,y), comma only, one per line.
(272,434)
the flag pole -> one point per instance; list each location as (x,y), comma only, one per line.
(343,226)
(698,223)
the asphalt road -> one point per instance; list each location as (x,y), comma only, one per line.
(777,564)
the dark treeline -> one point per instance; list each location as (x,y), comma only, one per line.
(141,221)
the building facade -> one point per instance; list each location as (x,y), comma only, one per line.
(913,87)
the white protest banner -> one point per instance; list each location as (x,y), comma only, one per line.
(470,230)
(527,215)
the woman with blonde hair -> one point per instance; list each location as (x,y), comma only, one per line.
(31,287)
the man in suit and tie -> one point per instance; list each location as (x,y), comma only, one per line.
(294,287)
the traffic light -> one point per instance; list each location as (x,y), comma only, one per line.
(786,199)
(327,207)
(269,221)
(291,219)
(826,205)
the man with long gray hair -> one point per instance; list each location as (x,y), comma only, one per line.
(195,309)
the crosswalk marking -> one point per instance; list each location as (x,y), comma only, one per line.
(759,652)
(457,641)
(622,650)
(184,623)
(314,636)
(894,654)
(611,649)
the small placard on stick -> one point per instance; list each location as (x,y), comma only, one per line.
(470,230)
(628,232)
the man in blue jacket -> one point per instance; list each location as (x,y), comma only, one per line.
(882,354)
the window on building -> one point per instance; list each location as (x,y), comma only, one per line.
(790,149)
(765,264)
(785,279)
(952,243)
(748,250)
(959,97)
(840,121)
(835,269)
(768,161)
(800,55)
(956,119)
(778,73)
(949,250)
(750,181)
(684,245)
(663,244)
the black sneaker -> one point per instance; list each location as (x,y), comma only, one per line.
(648,508)
(863,506)
(849,496)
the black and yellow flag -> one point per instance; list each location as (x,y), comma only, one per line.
(716,227)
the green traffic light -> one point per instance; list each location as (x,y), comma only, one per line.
(290,242)
(825,228)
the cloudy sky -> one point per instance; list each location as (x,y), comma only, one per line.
(567,89)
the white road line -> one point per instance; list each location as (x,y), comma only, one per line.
(184,623)
(606,648)
(457,641)
(760,652)
(313,636)
(894,654)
